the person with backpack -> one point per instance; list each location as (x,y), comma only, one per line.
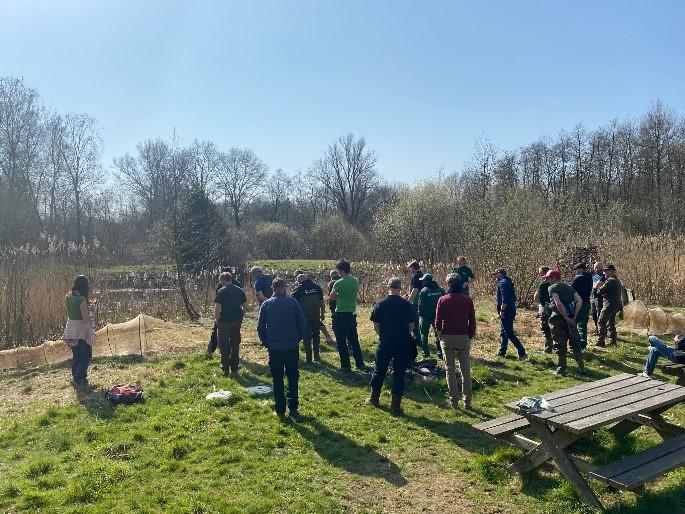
(311,298)
(565,304)
(79,331)
(281,326)
(428,301)
(229,310)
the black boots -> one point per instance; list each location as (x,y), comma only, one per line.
(374,398)
(396,405)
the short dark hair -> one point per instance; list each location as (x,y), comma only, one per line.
(454,281)
(278,283)
(225,277)
(81,286)
(395,283)
(343,266)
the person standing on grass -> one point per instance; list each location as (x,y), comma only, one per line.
(657,348)
(393,320)
(582,284)
(79,331)
(566,304)
(612,303)
(262,284)
(334,276)
(506,309)
(428,301)
(465,273)
(541,297)
(344,293)
(281,326)
(313,304)
(597,301)
(213,341)
(229,309)
(415,273)
(455,320)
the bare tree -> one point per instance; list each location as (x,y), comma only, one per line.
(241,178)
(348,177)
(278,192)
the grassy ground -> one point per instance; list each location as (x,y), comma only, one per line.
(176,453)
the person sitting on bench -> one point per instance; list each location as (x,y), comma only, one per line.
(657,348)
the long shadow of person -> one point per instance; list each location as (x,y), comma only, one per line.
(94,401)
(342,452)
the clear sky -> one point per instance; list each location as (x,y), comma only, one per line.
(421,80)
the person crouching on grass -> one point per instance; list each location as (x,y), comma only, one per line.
(79,332)
(281,328)
(393,320)
(657,348)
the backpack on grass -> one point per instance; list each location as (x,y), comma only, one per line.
(125,394)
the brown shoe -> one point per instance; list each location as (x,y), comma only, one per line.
(374,398)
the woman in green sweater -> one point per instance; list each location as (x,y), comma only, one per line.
(79,332)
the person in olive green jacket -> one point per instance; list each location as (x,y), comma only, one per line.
(428,301)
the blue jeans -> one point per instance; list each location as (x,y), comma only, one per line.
(507,334)
(657,349)
(82,353)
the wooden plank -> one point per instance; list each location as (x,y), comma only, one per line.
(521,442)
(654,469)
(565,464)
(539,455)
(669,397)
(603,397)
(635,470)
(673,369)
(497,422)
(657,390)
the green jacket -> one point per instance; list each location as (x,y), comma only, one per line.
(428,300)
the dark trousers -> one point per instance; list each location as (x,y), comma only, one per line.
(506,334)
(607,323)
(285,363)
(543,314)
(399,355)
(597,304)
(213,340)
(312,338)
(345,330)
(565,336)
(82,353)
(228,337)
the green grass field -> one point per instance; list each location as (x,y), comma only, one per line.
(176,453)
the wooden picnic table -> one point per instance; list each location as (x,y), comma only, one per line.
(625,401)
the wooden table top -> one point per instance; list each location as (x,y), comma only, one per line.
(584,408)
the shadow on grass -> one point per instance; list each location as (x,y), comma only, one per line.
(342,452)
(666,501)
(94,401)
(459,432)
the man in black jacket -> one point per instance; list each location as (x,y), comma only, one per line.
(311,298)
(213,341)
(582,283)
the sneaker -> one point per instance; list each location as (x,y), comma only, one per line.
(643,374)
(295,415)
(523,357)
(561,372)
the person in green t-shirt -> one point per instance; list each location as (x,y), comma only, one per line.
(465,273)
(344,293)
(542,299)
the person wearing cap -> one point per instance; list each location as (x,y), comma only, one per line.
(612,303)
(415,272)
(598,277)
(311,298)
(465,272)
(582,283)
(229,309)
(213,341)
(393,320)
(541,297)
(262,284)
(344,293)
(455,320)
(566,304)
(280,327)
(506,309)
(657,348)
(428,301)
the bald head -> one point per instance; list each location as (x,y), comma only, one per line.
(598,266)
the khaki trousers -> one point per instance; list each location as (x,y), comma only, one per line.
(453,348)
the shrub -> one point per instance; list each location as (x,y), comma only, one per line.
(276,241)
(334,238)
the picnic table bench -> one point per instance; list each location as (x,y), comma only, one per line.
(625,401)
(676,370)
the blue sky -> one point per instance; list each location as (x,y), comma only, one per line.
(421,80)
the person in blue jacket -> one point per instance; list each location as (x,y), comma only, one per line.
(506,309)
(281,327)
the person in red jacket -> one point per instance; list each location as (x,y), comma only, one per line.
(455,321)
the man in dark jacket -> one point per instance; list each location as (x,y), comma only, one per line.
(393,320)
(228,315)
(506,309)
(612,303)
(455,319)
(657,348)
(213,341)
(311,299)
(428,301)
(541,297)
(582,284)
(281,327)
(598,277)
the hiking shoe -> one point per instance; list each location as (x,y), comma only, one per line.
(454,402)
(467,404)
(502,355)
(295,415)
(523,357)
(281,416)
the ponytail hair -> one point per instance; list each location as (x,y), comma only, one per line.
(81,286)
